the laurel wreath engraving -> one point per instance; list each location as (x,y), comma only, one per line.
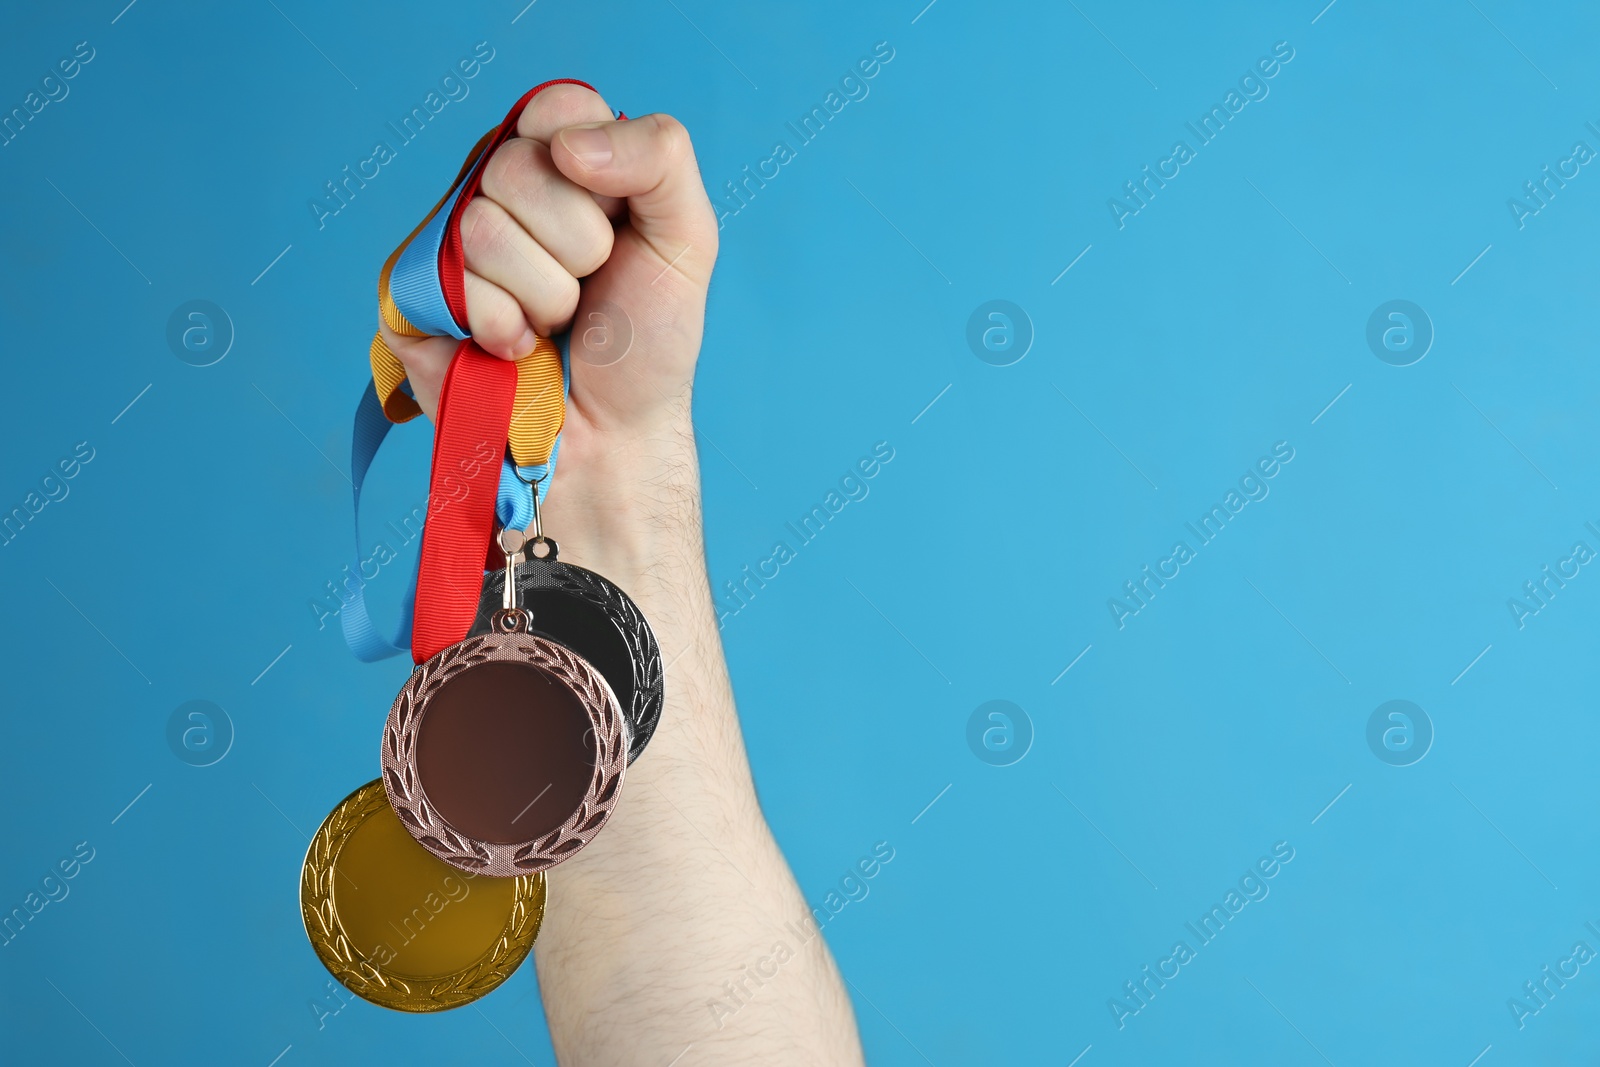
(643,712)
(425,823)
(362,975)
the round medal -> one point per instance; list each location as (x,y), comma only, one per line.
(398,927)
(596,619)
(504,753)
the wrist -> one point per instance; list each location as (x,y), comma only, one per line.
(625,502)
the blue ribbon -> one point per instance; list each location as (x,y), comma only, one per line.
(425,308)
(371,427)
(414,282)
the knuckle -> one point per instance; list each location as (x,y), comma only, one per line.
(596,245)
(557,302)
(562,304)
(502,323)
(568,99)
(480,229)
(671,137)
(565,105)
(408,359)
(514,166)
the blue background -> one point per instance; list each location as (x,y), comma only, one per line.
(1223,718)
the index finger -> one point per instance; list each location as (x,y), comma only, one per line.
(567,104)
(558,106)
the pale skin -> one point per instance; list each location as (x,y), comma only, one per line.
(685,890)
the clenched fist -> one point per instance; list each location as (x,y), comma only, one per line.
(597,225)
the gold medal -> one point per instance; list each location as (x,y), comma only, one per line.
(402,928)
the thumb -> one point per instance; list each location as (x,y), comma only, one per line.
(650,162)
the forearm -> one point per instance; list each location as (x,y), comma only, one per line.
(686,888)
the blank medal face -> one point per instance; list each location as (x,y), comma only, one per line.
(400,927)
(398,901)
(504,754)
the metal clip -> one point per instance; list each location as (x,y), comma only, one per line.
(535,530)
(511,542)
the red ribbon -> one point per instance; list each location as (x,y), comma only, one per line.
(469,442)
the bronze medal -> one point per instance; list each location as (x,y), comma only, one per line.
(398,927)
(504,753)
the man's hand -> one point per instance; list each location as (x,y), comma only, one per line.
(577,196)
